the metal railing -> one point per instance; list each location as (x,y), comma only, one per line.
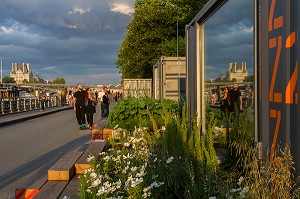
(12,105)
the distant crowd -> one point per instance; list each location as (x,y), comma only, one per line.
(230,99)
(85,102)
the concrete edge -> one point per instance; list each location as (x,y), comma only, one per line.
(14,121)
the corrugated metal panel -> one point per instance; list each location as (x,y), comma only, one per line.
(137,88)
(169,75)
(278,101)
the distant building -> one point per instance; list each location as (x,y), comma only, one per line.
(38,78)
(20,72)
(237,71)
(220,78)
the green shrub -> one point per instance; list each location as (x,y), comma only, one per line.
(192,173)
(133,112)
(169,160)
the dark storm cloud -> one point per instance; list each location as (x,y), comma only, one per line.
(229,37)
(65,38)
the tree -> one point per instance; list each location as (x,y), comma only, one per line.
(234,80)
(59,80)
(249,78)
(152,34)
(8,79)
(25,81)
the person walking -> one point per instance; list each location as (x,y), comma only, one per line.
(225,101)
(90,108)
(100,101)
(218,94)
(96,95)
(105,103)
(235,98)
(79,106)
(249,96)
(42,98)
(70,98)
(213,96)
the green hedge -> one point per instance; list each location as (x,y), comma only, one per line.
(132,112)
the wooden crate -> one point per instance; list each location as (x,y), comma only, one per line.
(64,168)
(94,149)
(101,134)
(97,131)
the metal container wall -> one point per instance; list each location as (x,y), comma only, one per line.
(138,88)
(169,76)
(278,53)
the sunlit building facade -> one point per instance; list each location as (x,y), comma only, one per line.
(21,72)
(237,71)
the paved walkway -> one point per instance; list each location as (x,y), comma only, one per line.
(13,118)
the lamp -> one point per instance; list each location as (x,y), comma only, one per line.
(177,28)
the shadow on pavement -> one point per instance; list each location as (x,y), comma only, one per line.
(43,163)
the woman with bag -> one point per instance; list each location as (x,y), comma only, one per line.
(225,103)
(90,103)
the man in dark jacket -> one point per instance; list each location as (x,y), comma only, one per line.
(235,98)
(79,106)
(105,103)
(42,98)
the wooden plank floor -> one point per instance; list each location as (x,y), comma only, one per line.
(72,189)
(51,190)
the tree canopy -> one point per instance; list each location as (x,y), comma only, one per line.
(152,33)
(8,79)
(59,80)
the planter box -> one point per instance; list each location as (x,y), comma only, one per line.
(102,134)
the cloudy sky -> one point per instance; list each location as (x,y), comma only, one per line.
(74,39)
(229,37)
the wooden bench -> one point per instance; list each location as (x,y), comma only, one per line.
(105,133)
(51,190)
(97,134)
(94,149)
(72,188)
(32,190)
(64,168)
(100,124)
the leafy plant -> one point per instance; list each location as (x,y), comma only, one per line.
(273,179)
(133,112)
(172,161)
(193,170)
(241,141)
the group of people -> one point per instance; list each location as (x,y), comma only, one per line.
(232,99)
(116,96)
(85,102)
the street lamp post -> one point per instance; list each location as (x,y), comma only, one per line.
(177,28)
(179,83)
(179,61)
(1,71)
(177,44)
